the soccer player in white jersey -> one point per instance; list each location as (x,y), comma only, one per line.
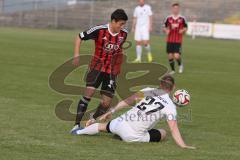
(136,125)
(142,26)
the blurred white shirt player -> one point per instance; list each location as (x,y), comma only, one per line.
(136,125)
(142,26)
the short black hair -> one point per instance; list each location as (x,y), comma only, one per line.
(175,4)
(167,82)
(119,15)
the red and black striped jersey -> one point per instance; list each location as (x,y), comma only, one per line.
(108,48)
(174,24)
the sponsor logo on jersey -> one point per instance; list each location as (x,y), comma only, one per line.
(111,47)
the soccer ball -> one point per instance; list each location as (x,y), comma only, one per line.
(181,97)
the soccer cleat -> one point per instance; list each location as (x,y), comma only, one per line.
(76,131)
(150,58)
(181,69)
(76,127)
(172,73)
(137,61)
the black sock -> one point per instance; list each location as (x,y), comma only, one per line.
(179,61)
(82,107)
(172,64)
(100,111)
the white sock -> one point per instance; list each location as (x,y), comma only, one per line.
(139,52)
(90,130)
(148,48)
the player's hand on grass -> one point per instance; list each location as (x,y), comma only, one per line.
(106,116)
(189,147)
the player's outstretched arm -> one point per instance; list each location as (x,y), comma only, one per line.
(77,50)
(177,135)
(123,104)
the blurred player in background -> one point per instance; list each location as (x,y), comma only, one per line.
(175,26)
(142,26)
(105,64)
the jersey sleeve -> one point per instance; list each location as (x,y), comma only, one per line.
(165,22)
(185,23)
(92,33)
(145,92)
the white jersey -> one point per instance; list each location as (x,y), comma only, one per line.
(155,105)
(142,15)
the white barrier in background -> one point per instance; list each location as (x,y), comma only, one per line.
(226,31)
(219,31)
(200,29)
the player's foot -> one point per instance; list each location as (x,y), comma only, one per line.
(75,131)
(90,122)
(76,127)
(137,61)
(181,69)
(150,58)
(172,73)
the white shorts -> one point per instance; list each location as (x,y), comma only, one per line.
(142,34)
(121,128)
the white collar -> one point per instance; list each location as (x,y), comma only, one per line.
(113,34)
(175,17)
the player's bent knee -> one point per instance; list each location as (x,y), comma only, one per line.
(170,56)
(163,134)
(145,43)
(89,92)
(105,103)
(139,43)
(177,56)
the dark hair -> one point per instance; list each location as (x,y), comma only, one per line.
(119,15)
(175,5)
(167,82)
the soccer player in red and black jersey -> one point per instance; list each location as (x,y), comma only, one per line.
(175,26)
(105,64)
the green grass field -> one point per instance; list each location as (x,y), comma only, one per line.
(29,128)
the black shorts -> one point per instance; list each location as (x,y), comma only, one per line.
(174,48)
(95,78)
(155,135)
